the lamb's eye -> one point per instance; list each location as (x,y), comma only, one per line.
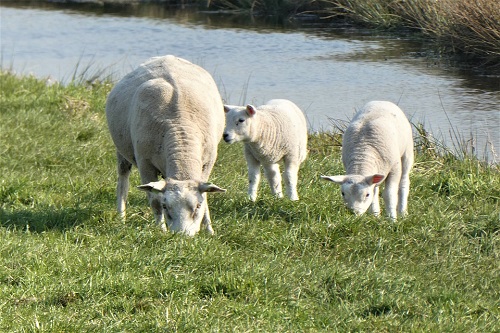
(241,120)
(343,194)
(367,195)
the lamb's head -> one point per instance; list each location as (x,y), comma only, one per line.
(184,203)
(238,123)
(357,191)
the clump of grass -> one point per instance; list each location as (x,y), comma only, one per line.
(468,27)
(68,263)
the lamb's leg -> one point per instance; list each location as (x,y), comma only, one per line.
(391,194)
(124,168)
(291,177)
(375,206)
(150,174)
(273,176)
(404,183)
(253,175)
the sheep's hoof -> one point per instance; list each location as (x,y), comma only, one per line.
(163,227)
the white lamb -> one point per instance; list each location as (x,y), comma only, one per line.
(273,132)
(377,146)
(166,117)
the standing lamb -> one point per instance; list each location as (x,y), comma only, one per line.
(377,145)
(273,132)
(166,117)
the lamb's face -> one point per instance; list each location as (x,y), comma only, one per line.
(238,122)
(357,191)
(357,194)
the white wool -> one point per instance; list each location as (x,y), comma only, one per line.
(273,132)
(166,117)
(377,146)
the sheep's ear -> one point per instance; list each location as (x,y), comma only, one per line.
(336,179)
(155,187)
(227,108)
(251,110)
(209,187)
(375,179)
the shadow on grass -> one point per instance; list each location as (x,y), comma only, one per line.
(42,220)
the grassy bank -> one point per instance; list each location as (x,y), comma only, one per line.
(68,264)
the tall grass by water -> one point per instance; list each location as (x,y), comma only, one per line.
(67,263)
(461,27)
(470,28)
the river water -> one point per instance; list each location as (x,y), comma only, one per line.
(328,71)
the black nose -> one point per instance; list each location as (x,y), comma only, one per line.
(225,136)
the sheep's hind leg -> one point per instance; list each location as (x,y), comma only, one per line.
(273,176)
(404,183)
(124,167)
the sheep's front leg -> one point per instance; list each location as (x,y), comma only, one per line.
(273,176)
(150,174)
(391,194)
(156,206)
(291,177)
(253,175)
(206,222)
(375,206)
(122,186)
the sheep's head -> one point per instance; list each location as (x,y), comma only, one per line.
(184,203)
(238,123)
(357,191)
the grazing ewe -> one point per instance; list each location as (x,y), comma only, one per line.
(166,117)
(272,132)
(377,145)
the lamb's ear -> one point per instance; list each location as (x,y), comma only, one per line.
(336,179)
(154,187)
(227,108)
(251,110)
(209,187)
(375,179)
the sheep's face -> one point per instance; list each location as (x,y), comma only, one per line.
(183,203)
(357,191)
(238,123)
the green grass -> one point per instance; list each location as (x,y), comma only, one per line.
(68,264)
